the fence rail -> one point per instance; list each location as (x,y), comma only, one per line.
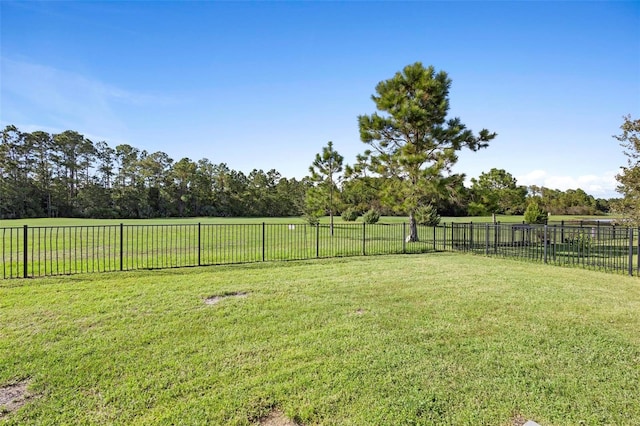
(63,250)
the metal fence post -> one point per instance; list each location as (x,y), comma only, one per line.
(444,237)
(452,235)
(318,239)
(199,243)
(121,245)
(25,249)
(364,246)
(486,239)
(545,244)
(638,254)
(630,251)
(434,237)
(263,240)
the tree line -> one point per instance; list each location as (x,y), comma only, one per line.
(406,170)
(68,175)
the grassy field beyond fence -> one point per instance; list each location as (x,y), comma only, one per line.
(389,340)
(101,246)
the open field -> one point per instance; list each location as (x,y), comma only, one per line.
(426,339)
(258,220)
(101,246)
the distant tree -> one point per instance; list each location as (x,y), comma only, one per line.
(73,156)
(414,144)
(427,215)
(15,163)
(105,156)
(535,214)
(325,173)
(181,176)
(41,144)
(359,190)
(67,175)
(350,215)
(629,177)
(497,192)
(603,205)
(372,216)
(154,170)
(128,193)
(575,202)
(290,195)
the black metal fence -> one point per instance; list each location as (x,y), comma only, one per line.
(605,248)
(62,250)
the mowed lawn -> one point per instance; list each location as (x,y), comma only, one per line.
(270,220)
(391,340)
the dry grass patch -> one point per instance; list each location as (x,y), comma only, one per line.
(13,397)
(212,300)
(277,418)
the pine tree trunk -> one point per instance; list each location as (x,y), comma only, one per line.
(413,229)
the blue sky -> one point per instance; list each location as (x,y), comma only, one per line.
(267,84)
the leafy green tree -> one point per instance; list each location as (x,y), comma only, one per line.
(451,196)
(372,216)
(497,192)
(290,195)
(576,202)
(16,160)
(629,178)
(128,189)
(73,157)
(154,170)
(350,215)
(68,175)
(414,144)
(427,215)
(359,190)
(325,173)
(203,188)
(41,144)
(105,156)
(181,176)
(535,214)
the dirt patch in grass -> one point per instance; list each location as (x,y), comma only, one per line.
(520,420)
(277,418)
(13,397)
(212,300)
(517,420)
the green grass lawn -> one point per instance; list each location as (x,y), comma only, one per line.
(416,339)
(257,220)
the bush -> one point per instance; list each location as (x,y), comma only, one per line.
(311,219)
(427,215)
(371,217)
(350,215)
(534,214)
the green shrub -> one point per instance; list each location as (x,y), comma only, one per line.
(427,215)
(535,214)
(311,219)
(350,215)
(371,217)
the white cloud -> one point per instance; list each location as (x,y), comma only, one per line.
(603,185)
